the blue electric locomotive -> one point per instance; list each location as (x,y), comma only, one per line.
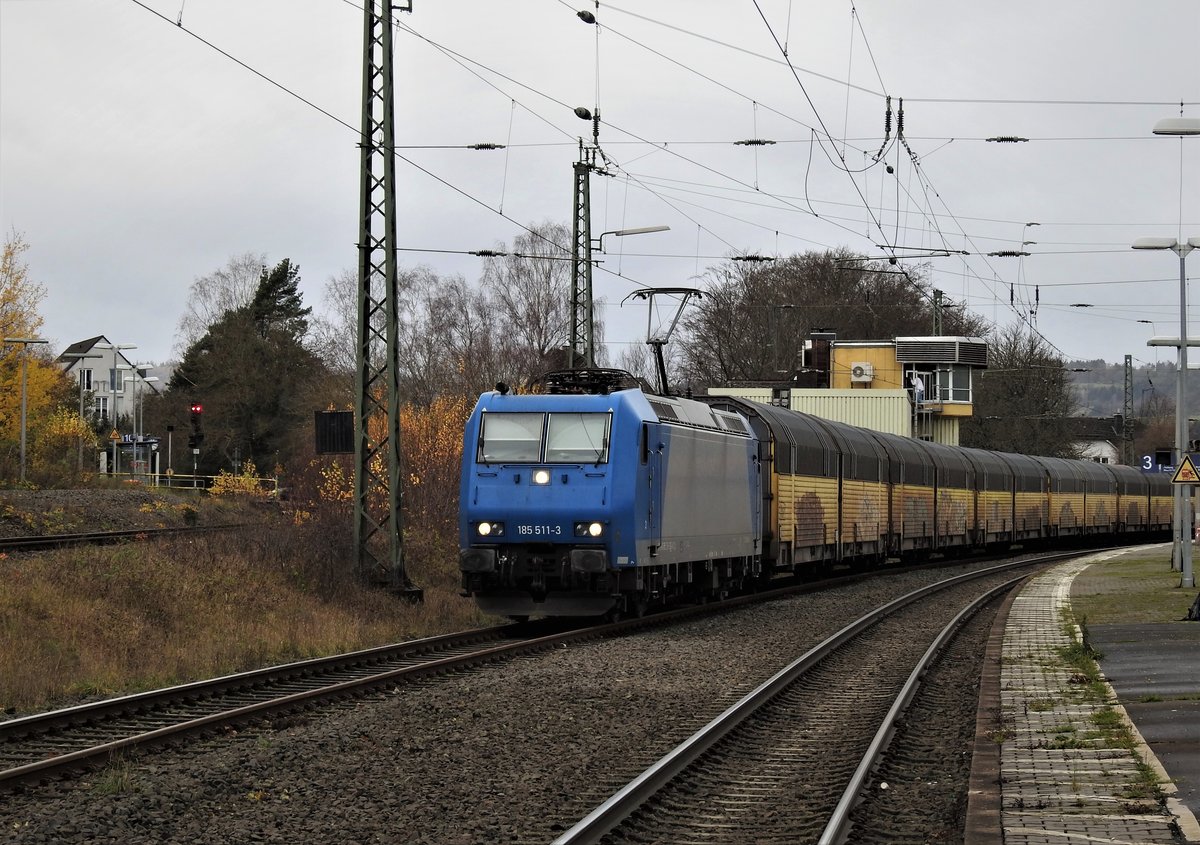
(586,502)
(601,498)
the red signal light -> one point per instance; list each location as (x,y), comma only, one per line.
(197,408)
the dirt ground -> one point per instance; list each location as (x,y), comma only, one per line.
(26,513)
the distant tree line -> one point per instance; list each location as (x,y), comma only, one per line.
(261,361)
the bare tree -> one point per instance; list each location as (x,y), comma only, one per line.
(1023,400)
(211,297)
(531,290)
(637,359)
(335,330)
(446,339)
(754,319)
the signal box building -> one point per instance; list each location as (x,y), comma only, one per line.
(874,384)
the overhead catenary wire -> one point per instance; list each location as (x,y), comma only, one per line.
(902,208)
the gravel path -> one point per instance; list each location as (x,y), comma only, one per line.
(509,753)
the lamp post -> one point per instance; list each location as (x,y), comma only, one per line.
(1181,551)
(112,387)
(777,314)
(582,353)
(24,341)
(80,356)
(139,408)
(134,421)
(620,233)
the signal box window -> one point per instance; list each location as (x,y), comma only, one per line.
(577,439)
(511,438)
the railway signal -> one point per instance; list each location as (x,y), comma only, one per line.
(197,435)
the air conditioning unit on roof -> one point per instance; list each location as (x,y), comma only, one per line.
(862,372)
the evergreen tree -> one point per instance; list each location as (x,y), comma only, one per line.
(251,372)
(277,305)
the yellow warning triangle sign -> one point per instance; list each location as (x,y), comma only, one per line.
(1186,474)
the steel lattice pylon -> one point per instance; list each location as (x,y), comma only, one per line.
(582,352)
(1127,415)
(377,527)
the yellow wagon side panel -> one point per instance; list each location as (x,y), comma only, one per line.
(995,511)
(954,511)
(915,510)
(807,509)
(1134,511)
(1162,510)
(864,511)
(1101,510)
(1031,511)
(1066,510)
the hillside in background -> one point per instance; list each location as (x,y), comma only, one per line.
(1100,388)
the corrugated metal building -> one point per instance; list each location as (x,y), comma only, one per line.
(871,384)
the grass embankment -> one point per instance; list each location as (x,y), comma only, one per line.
(99,621)
(1136,587)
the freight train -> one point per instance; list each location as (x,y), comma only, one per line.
(601,498)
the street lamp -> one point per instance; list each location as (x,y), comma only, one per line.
(583,347)
(112,387)
(80,356)
(1181,551)
(24,341)
(139,408)
(1182,548)
(135,407)
(620,233)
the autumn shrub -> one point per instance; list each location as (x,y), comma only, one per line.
(122,618)
(55,442)
(101,621)
(431,458)
(244,483)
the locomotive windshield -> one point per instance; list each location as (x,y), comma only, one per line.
(558,438)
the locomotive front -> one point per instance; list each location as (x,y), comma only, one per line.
(539,524)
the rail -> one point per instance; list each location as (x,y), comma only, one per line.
(638,793)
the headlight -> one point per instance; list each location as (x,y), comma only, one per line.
(541,476)
(490,529)
(589,529)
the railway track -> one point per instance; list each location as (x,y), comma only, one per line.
(63,742)
(46,745)
(40,542)
(790,761)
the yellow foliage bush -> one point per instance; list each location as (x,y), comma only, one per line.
(245,483)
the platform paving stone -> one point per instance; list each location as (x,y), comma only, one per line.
(1060,782)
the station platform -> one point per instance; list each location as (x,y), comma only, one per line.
(1066,757)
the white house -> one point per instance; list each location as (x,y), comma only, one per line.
(115,383)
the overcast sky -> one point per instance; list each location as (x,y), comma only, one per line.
(135,157)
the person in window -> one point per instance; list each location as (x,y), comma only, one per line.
(918,387)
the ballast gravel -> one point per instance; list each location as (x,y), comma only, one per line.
(513,752)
